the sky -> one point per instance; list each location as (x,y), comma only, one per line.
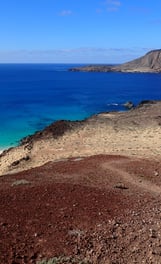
(78,31)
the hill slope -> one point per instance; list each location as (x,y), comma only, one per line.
(132,133)
(64,201)
(150,62)
(95,210)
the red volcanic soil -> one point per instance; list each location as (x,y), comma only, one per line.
(100,209)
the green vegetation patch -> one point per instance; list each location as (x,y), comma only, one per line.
(20,182)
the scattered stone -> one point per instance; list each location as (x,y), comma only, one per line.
(75,232)
(128,105)
(20,182)
(156,173)
(77,159)
(121,186)
(17,162)
(153,233)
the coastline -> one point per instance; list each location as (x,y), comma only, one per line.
(131,133)
(4,146)
(91,178)
(149,63)
(3,149)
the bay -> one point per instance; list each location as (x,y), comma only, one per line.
(35,95)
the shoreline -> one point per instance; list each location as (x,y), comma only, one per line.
(3,149)
(131,133)
(125,108)
(149,63)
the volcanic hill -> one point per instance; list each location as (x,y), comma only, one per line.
(150,62)
(85,192)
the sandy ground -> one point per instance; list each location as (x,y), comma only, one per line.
(133,133)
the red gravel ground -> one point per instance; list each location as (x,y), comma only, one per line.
(100,209)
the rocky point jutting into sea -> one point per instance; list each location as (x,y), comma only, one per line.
(150,62)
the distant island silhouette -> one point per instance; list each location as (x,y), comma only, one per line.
(150,62)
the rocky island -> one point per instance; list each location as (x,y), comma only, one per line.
(85,192)
(150,62)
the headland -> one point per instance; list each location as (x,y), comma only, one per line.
(149,63)
(132,133)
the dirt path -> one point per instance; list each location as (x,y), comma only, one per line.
(71,208)
(117,168)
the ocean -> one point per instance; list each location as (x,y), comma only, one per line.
(35,95)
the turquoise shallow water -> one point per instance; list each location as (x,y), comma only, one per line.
(34,95)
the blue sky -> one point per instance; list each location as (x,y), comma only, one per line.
(83,31)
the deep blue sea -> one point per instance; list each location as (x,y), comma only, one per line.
(34,95)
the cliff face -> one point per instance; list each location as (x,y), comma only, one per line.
(150,62)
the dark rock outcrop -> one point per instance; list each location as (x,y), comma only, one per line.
(93,68)
(128,105)
(55,130)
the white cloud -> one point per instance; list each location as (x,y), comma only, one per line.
(77,55)
(65,13)
(113,2)
(112,5)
